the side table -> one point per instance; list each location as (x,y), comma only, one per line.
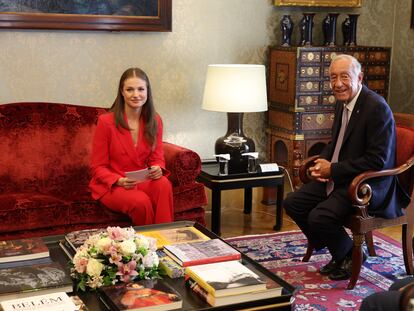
(210,178)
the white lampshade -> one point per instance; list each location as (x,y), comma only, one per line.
(235,88)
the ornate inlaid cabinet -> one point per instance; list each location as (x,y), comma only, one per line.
(301,103)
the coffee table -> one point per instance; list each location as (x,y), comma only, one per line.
(210,178)
(190,300)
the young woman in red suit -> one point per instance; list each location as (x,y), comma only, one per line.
(129,138)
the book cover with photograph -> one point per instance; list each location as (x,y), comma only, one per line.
(142,295)
(198,253)
(168,266)
(76,238)
(51,302)
(176,236)
(226,278)
(24,281)
(22,249)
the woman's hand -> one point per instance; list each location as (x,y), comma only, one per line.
(155,172)
(126,183)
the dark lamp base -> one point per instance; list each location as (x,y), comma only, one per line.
(235,146)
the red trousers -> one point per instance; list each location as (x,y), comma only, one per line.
(150,202)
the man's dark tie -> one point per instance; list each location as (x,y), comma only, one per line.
(330,184)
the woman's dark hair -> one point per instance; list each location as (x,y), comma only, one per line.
(147,112)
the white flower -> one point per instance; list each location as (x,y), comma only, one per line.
(94,267)
(104,244)
(150,260)
(142,241)
(93,240)
(152,244)
(127,247)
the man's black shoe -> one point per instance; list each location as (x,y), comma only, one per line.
(329,267)
(344,270)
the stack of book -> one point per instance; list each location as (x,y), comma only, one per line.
(173,236)
(26,269)
(229,282)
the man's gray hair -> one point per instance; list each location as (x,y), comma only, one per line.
(355,64)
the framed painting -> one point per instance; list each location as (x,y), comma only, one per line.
(111,15)
(327,3)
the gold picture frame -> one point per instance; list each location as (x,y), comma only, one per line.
(87,15)
(326,3)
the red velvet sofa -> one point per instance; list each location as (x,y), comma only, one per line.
(44,172)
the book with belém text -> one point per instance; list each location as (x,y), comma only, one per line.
(40,279)
(51,302)
(176,236)
(203,252)
(273,289)
(22,249)
(226,278)
(141,296)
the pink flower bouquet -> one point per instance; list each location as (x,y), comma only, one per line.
(118,254)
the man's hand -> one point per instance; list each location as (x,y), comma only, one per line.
(321,171)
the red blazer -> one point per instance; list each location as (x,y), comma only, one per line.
(114,153)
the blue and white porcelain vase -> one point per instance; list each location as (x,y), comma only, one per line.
(306,28)
(286,26)
(329,29)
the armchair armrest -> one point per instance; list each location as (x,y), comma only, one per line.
(304,169)
(407,293)
(184,164)
(360,192)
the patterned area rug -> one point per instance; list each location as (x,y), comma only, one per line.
(281,253)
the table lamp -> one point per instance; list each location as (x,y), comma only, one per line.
(235,89)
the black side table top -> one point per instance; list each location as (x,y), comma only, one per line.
(210,170)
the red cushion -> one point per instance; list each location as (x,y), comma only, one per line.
(405,149)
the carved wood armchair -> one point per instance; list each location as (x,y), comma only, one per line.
(361,223)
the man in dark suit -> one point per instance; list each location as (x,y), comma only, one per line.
(387,300)
(363,138)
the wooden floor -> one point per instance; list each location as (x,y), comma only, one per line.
(262,219)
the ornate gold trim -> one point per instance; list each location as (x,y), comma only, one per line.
(329,3)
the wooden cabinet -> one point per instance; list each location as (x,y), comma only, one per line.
(301,104)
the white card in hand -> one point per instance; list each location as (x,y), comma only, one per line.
(269,167)
(140,175)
